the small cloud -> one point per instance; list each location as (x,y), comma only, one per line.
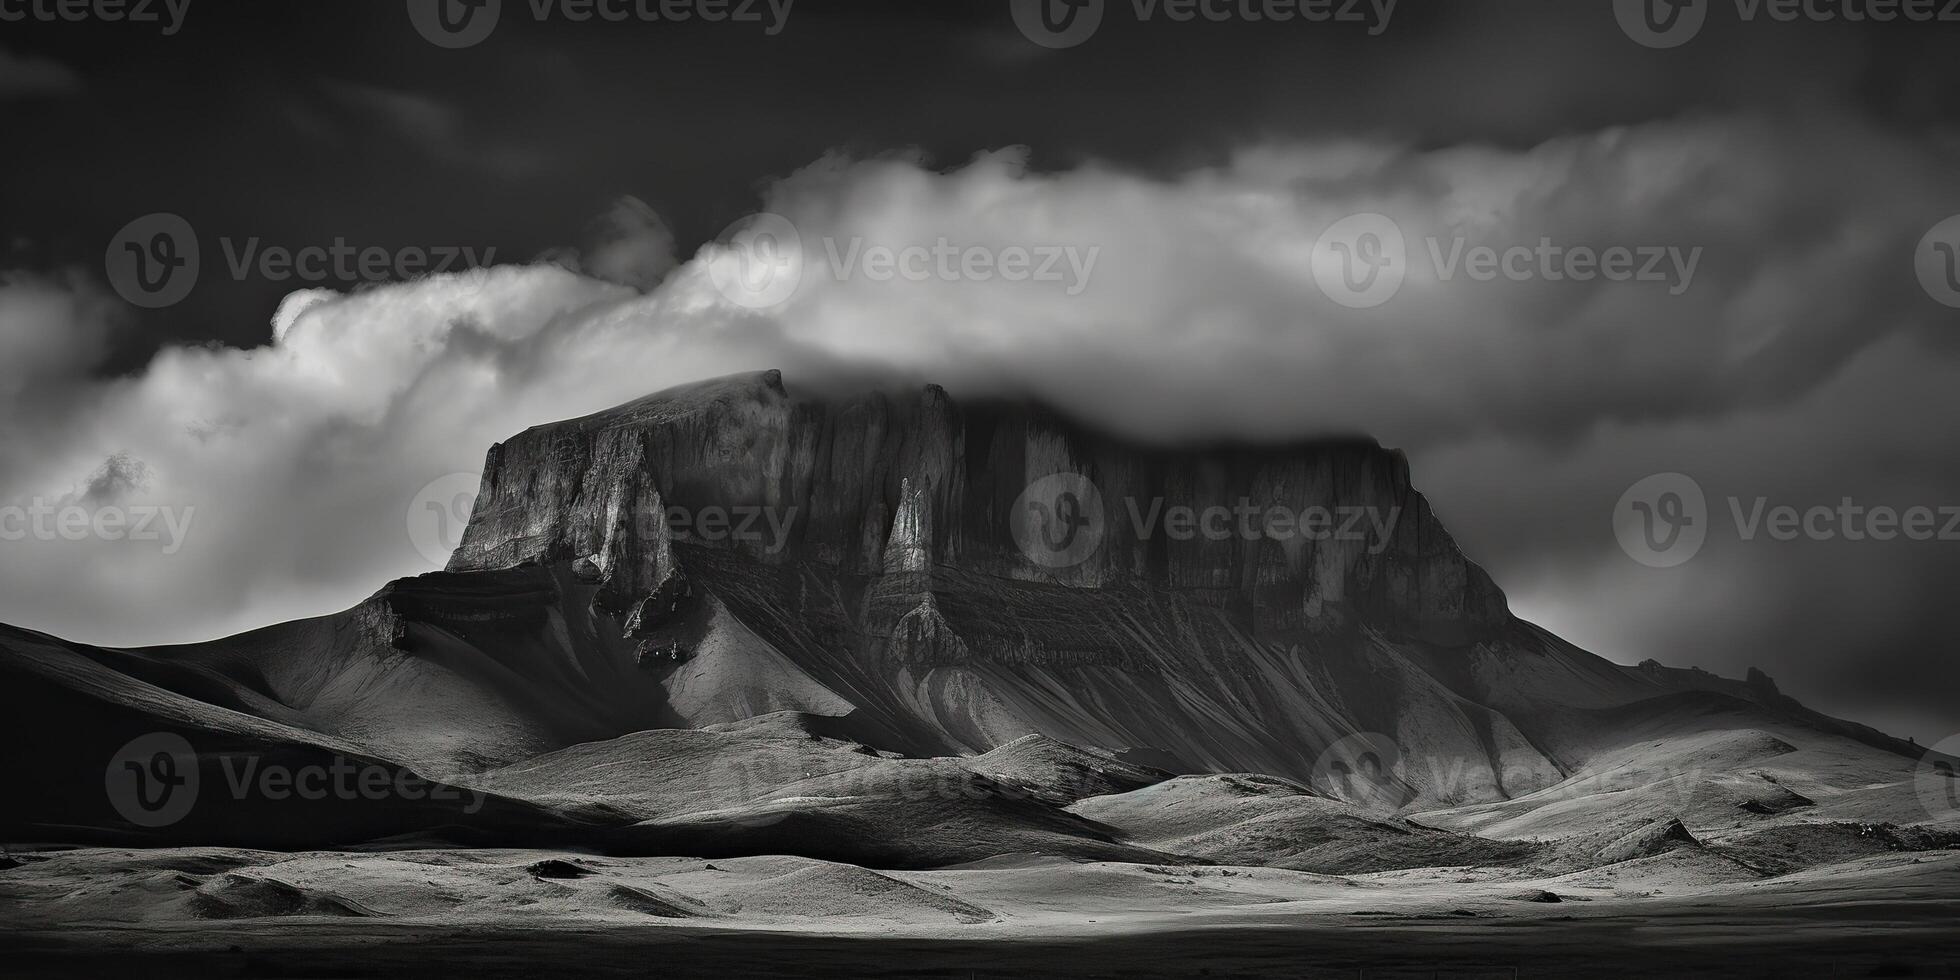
(629,245)
(28,77)
(117,477)
(1003,48)
(408,114)
(435,128)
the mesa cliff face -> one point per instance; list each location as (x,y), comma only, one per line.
(966,575)
(880,487)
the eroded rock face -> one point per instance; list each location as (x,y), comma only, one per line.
(965,575)
(1302,539)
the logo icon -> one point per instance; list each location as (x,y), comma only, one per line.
(1661,24)
(153,261)
(1363,768)
(1662,521)
(1058,521)
(761,261)
(455,24)
(1938,778)
(1361,260)
(1938,262)
(1058,24)
(152,781)
(439,514)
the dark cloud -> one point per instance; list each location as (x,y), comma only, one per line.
(119,476)
(26,76)
(550,120)
(438,130)
(1856,627)
(630,245)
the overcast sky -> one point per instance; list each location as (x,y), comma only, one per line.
(1786,179)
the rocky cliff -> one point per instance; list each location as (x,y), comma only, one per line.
(1300,539)
(962,575)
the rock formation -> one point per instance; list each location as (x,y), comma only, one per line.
(964,575)
(923,577)
(888,486)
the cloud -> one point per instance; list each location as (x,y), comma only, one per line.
(118,477)
(1181,307)
(53,329)
(1853,626)
(630,245)
(434,128)
(28,76)
(1204,284)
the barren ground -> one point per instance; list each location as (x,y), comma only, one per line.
(211,912)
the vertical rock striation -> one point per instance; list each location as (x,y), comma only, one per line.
(964,575)
(1301,539)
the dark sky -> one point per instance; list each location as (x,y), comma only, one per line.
(300,123)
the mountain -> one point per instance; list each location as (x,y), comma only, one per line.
(759,611)
(889,574)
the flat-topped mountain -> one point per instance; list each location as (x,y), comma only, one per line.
(876,485)
(905,578)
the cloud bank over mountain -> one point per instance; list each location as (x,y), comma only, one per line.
(1800,361)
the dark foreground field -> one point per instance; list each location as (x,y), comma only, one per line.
(1870,941)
